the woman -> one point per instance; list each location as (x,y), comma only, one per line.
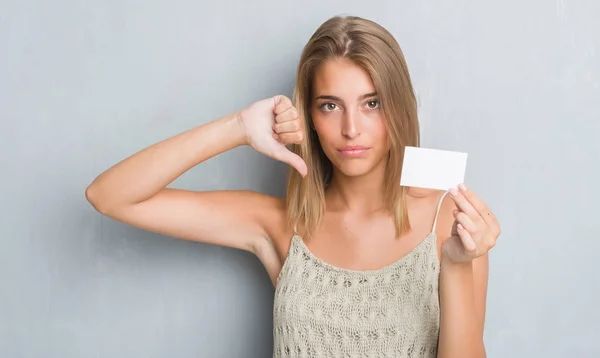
(361,265)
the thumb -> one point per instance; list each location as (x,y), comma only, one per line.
(283,154)
(277,99)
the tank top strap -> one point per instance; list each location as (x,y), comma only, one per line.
(437,211)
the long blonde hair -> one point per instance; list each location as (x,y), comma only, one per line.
(373,48)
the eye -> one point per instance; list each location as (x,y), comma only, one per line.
(373,104)
(328,106)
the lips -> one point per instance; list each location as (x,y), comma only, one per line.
(353,150)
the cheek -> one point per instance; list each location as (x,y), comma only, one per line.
(380,136)
(382,132)
(325,125)
(376,127)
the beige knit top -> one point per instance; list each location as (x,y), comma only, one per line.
(321,310)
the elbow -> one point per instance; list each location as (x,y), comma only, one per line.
(95,199)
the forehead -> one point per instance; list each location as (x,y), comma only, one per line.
(342,78)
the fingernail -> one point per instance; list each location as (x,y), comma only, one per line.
(453,192)
(460,227)
(462,187)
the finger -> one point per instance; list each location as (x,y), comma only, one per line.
(479,205)
(465,220)
(290,138)
(286,127)
(285,155)
(282,103)
(466,239)
(276,137)
(463,204)
(289,114)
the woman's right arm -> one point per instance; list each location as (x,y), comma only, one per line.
(134,191)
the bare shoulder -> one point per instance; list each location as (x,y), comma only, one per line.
(272,250)
(424,194)
(446,215)
(432,197)
(268,213)
(420,193)
(276,225)
(445,221)
(272,213)
(269,210)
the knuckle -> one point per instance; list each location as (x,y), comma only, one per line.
(288,138)
(495,231)
(285,104)
(282,105)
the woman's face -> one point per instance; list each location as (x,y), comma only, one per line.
(346,115)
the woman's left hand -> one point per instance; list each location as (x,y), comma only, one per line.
(475,228)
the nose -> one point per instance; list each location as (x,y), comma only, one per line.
(350,121)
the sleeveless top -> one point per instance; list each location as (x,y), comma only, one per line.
(321,310)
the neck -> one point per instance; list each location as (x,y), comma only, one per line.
(361,194)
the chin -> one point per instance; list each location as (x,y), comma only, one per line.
(355,168)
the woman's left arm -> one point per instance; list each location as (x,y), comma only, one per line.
(464,276)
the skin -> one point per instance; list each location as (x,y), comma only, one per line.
(356,233)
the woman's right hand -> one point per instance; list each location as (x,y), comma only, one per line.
(271,124)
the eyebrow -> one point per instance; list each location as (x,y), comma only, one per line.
(334,98)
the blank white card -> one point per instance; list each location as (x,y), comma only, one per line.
(433,168)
